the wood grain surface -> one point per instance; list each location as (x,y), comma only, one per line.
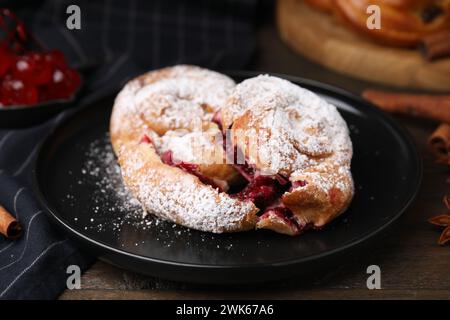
(323,39)
(412,265)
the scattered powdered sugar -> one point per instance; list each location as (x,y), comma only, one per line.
(101,169)
(113,208)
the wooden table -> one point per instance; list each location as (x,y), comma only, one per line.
(412,264)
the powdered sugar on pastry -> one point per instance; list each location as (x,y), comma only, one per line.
(301,141)
(297,129)
(197,147)
(175,195)
(184,97)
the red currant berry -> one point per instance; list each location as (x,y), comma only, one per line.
(6,60)
(16,92)
(56,58)
(33,68)
(63,85)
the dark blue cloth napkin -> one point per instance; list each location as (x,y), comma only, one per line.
(118,40)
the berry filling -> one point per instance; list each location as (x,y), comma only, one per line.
(245,171)
(297,184)
(217,119)
(146,139)
(281,180)
(263,190)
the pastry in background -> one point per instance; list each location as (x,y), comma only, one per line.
(404,23)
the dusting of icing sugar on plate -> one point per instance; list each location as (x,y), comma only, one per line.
(114,208)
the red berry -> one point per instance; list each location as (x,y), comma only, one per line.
(166,158)
(56,58)
(261,191)
(16,92)
(33,68)
(6,60)
(63,84)
(299,183)
(146,139)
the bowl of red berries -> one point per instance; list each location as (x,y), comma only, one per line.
(35,83)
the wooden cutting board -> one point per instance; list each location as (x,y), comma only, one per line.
(321,38)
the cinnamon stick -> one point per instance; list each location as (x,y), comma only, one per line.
(9,226)
(435,107)
(436,45)
(439,142)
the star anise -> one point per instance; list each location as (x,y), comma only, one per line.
(443,220)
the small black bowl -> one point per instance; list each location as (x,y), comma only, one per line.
(15,117)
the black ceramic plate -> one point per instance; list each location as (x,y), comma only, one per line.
(74,175)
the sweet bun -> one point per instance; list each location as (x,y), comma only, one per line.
(404,23)
(185,141)
(324,5)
